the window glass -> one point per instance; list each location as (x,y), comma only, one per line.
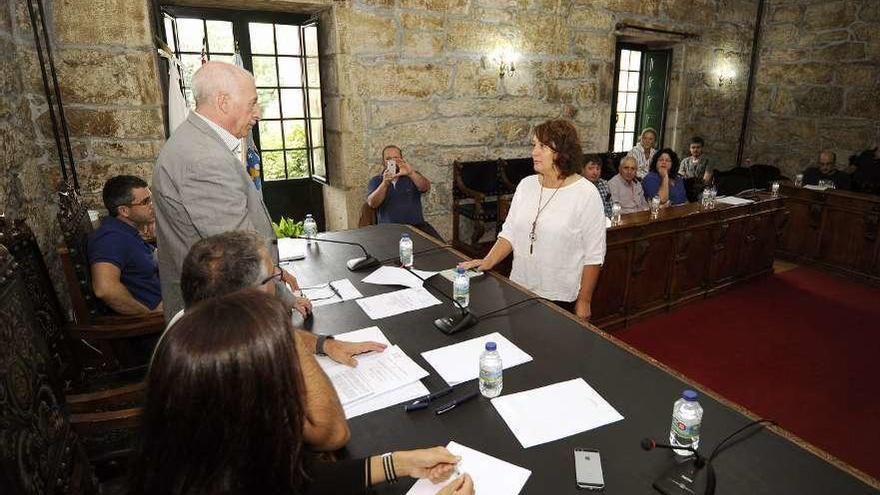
(292,103)
(294,133)
(288,39)
(190,34)
(220,38)
(265,72)
(262,38)
(290,71)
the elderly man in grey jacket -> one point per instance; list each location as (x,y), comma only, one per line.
(201,187)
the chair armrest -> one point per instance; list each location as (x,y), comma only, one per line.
(155,318)
(91,423)
(117,398)
(476,195)
(109,331)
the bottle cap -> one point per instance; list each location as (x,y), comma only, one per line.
(490,346)
(308,215)
(689,395)
(460,270)
(404,235)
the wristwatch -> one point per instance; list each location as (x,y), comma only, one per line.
(319,345)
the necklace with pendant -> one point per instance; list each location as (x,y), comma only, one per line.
(532,236)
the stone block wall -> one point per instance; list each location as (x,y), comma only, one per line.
(818,82)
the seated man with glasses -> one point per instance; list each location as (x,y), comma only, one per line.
(232,261)
(124,272)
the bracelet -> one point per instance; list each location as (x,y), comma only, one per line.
(388,464)
(319,345)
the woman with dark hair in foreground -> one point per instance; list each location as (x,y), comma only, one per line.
(224,413)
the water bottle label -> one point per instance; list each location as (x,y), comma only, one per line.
(684,431)
(490,378)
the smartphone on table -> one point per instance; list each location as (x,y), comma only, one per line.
(588,469)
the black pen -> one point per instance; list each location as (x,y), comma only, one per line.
(422,402)
(457,402)
(335,291)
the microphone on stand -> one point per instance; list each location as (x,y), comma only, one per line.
(682,479)
(355,264)
(456,322)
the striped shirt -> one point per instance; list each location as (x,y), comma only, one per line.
(605,193)
(231,142)
(642,158)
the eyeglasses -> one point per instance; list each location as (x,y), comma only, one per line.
(278,273)
(144,202)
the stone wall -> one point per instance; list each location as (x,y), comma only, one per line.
(25,191)
(411,72)
(818,83)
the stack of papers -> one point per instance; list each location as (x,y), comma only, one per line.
(394,275)
(397,302)
(556,411)
(450,274)
(332,292)
(291,249)
(375,401)
(491,475)
(733,200)
(460,362)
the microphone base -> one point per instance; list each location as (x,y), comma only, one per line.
(687,478)
(364,263)
(456,323)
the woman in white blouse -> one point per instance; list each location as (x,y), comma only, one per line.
(556,226)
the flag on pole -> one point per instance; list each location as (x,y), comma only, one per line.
(251,157)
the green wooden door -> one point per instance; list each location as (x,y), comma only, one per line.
(655,83)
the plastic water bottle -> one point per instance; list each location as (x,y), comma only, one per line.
(406,251)
(615,213)
(491,379)
(655,207)
(310,228)
(461,288)
(687,414)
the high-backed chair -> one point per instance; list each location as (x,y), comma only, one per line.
(513,170)
(41,448)
(475,197)
(88,310)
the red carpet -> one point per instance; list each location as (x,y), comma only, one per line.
(800,347)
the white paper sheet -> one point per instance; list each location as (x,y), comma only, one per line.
(323,295)
(733,200)
(460,362)
(291,249)
(376,373)
(450,274)
(491,475)
(395,275)
(397,302)
(555,411)
(815,188)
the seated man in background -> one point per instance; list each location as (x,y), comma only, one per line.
(697,166)
(236,260)
(593,173)
(625,189)
(827,170)
(125,275)
(396,192)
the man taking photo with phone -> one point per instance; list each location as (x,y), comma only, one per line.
(396,192)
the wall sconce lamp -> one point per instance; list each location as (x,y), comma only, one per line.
(726,73)
(505,59)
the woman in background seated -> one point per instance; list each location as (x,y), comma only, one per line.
(644,151)
(224,413)
(556,224)
(663,180)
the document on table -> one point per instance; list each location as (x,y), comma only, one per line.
(491,475)
(332,292)
(376,373)
(397,302)
(460,362)
(395,275)
(379,401)
(733,200)
(555,411)
(291,249)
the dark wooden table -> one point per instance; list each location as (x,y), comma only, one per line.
(833,229)
(686,253)
(643,391)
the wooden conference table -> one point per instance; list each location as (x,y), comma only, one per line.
(641,390)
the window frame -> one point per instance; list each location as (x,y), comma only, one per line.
(614,95)
(240,20)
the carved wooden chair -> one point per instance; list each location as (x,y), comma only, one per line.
(82,370)
(88,310)
(475,190)
(41,444)
(512,172)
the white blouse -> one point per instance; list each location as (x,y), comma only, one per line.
(569,234)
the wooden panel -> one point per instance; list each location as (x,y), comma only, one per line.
(650,270)
(691,262)
(609,298)
(725,243)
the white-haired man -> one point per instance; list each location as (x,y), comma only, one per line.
(200,185)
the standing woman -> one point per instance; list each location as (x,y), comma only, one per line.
(225,407)
(664,181)
(644,151)
(556,225)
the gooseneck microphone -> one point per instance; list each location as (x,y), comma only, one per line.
(456,322)
(650,444)
(682,479)
(355,264)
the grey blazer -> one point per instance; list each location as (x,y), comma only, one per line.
(200,189)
